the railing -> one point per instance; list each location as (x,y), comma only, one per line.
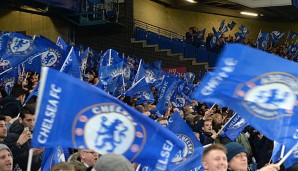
(158,30)
(167,39)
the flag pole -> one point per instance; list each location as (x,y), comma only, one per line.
(30,159)
(288,154)
(212,106)
(287,37)
(135,79)
(226,124)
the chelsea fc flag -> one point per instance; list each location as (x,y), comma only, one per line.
(74,114)
(260,87)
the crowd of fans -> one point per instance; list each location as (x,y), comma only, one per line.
(16,131)
(192,37)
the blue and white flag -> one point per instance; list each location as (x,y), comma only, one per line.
(66,117)
(276,35)
(222,28)
(17,49)
(280,151)
(83,58)
(71,65)
(165,92)
(214,38)
(9,79)
(110,57)
(179,99)
(34,92)
(191,157)
(201,34)
(264,94)
(263,40)
(141,90)
(239,37)
(53,57)
(234,127)
(292,49)
(141,72)
(276,153)
(292,35)
(243,30)
(51,157)
(232,25)
(189,77)
(62,44)
(188,159)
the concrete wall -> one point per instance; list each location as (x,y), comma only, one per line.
(33,24)
(179,20)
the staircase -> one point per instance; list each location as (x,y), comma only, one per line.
(172,43)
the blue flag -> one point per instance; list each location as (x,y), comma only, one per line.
(17,49)
(276,35)
(292,35)
(243,30)
(33,93)
(276,153)
(141,90)
(141,72)
(62,44)
(234,127)
(71,65)
(292,49)
(214,38)
(9,79)
(189,77)
(165,92)
(239,37)
(222,28)
(264,94)
(51,157)
(99,122)
(53,57)
(83,60)
(188,159)
(277,150)
(232,25)
(110,57)
(191,157)
(263,40)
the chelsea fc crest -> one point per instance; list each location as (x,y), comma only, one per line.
(269,96)
(188,151)
(108,128)
(51,58)
(19,47)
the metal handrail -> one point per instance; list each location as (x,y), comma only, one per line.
(157,30)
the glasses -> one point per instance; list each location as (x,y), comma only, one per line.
(91,152)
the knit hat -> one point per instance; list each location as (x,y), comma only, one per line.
(3,146)
(113,162)
(233,149)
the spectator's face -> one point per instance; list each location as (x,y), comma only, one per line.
(239,162)
(89,157)
(207,126)
(5,160)
(28,121)
(216,160)
(3,130)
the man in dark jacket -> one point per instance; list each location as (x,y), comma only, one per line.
(19,138)
(12,104)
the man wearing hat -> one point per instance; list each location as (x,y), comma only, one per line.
(237,159)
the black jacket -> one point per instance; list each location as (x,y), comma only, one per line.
(20,155)
(10,106)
